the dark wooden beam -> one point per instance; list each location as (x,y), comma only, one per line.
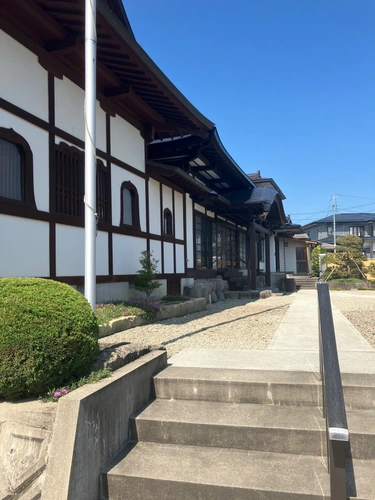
(252,253)
(116,91)
(66,46)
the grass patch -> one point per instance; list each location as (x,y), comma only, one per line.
(147,309)
(55,394)
(346,280)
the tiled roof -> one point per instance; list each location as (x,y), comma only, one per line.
(340,218)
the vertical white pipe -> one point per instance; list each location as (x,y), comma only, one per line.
(90,152)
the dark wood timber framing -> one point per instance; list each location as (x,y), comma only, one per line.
(51,160)
(253,253)
(268,261)
(161,226)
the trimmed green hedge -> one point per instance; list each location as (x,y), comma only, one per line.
(48,336)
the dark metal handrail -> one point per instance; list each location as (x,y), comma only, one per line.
(333,397)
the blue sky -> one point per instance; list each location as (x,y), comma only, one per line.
(290,85)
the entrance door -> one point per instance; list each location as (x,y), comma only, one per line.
(301,260)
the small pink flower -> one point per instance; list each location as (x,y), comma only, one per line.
(57,394)
(64,391)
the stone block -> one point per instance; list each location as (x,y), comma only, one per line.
(214,297)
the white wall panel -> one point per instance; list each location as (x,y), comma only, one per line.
(119,175)
(22,74)
(102,254)
(154,204)
(272,254)
(126,253)
(127,144)
(38,142)
(155,248)
(167,198)
(180,264)
(189,232)
(24,249)
(69,100)
(179,215)
(70,250)
(168,258)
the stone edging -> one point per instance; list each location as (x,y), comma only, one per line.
(167,311)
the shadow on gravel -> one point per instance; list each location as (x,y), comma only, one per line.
(205,328)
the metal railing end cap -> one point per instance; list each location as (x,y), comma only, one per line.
(338,434)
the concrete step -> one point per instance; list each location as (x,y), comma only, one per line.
(259,387)
(277,429)
(154,471)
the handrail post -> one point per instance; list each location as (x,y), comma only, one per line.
(332,397)
(337,470)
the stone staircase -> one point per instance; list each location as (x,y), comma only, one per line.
(305,282)
(235,434)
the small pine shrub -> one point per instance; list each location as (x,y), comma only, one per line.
(48,336)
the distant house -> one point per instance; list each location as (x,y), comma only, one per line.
(360,224)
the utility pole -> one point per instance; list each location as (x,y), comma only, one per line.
(334,208)
(90,152)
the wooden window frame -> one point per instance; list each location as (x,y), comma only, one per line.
(74,158)
(27,170)
(167,223)
(134,203)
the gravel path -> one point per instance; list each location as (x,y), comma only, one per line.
(359,309)
(230,324)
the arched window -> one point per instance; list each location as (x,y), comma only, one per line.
(16,168)
(168,222)
(129,205)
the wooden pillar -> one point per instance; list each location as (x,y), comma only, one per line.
(252,254)
(268,261)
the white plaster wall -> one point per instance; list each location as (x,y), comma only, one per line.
(168,258)
(290,256)
(69,108)
(70,250)
(180,264)
(127,144)
(69,102)
(22,74)
(199,208)
(119,175)
(272,254)
(38,142)
(154,203)
(102,254)
(24,249)
(155,248)
(126,253)
(167,198)
(189,232)
(179,215)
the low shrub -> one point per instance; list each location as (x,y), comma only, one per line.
(174,298)
(48,336)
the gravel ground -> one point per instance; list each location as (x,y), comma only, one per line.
(229,324)
(359,308)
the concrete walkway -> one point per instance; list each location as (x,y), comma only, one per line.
(294,346)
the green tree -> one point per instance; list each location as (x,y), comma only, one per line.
(348,258)
(145,281)
(315,264)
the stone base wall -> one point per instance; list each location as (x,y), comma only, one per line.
(212,290)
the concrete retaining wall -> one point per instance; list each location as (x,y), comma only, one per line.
(92,426)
